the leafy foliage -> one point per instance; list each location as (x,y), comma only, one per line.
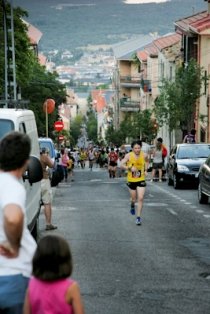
(133,126)
(43,85)
(176,104)
(35,82)
(75,128)
(92,127)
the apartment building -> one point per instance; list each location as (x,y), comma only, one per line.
(127,78)
(195,33)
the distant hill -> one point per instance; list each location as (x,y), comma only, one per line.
(74,23)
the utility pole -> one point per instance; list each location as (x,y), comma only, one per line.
(10,85)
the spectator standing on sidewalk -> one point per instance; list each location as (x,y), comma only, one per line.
(50,289)
(46,192)
(64,162)
(17,246)
(157,161)
(190,137)
(136,164)
(159,154)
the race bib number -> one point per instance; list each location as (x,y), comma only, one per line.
(136,174)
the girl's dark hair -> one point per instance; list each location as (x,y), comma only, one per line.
(136,142)
(52,259)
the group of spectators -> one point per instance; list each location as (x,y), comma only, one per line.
(34,278)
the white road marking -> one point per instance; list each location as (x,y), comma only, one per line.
(172,212)
(95,180)
(156,204)
(206,216)
(64,208)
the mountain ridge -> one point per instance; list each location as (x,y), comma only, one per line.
(71,24)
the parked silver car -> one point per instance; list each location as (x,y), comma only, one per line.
(204,182)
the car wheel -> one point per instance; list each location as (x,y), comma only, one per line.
(202,198)
(176,182)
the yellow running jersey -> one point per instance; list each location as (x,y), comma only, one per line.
(138,163)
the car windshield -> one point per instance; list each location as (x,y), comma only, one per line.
(193,151)
(5,127)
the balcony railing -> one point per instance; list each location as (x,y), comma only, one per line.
(130,81)
(126,104)
(146,86)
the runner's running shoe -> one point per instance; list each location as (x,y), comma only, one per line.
(138,221)
(132,210)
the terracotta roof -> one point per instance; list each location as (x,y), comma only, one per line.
(151,50)
(167,41)
(201,25)
(142,55)
(99,101)
(33,33)
(42,59)
(196,22)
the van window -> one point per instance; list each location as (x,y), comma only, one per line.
(49,147)
(6,126)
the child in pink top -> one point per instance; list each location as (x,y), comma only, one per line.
(50,291)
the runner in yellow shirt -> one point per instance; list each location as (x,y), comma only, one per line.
(136,163)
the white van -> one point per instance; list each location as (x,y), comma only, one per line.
(23,120)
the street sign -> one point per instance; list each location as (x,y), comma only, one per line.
(61,137)
(58,125)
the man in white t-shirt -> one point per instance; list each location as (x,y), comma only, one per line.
(17,246)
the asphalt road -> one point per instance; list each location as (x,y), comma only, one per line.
(162,266)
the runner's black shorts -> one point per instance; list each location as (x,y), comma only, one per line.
(134,185)
(112,164)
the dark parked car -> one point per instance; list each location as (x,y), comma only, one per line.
(204,182)
(184,163)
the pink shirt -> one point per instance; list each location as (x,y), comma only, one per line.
(49,297)
(64,160)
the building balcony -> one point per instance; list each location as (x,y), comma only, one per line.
(130,81)
(146,86)
(126,104)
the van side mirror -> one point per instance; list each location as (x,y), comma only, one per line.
(34,171)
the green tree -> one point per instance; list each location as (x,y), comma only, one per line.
(92,127)
(116,137)
(35,82)
(43,85)
(140,125)
(136,60)
(189,81)
(143,125)
(75,128)
(176,104)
